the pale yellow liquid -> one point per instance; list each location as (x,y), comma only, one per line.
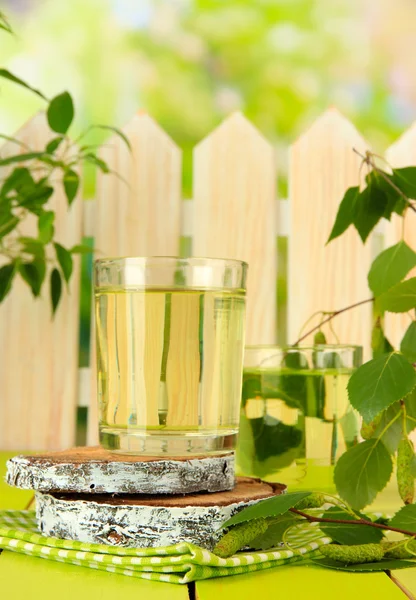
(169,370)
(292,420)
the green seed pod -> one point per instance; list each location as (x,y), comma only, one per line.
(405,477)
(392,550)
(315,500)
(369,429)
(352,555)
(239,536)
(319,338)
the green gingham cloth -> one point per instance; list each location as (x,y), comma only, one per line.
(180,563)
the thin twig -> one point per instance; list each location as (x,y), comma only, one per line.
(313,519)
(331,316)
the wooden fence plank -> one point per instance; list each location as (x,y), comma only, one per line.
(138,211)
(401,154)
(321,277)
(39,366)
(234,196)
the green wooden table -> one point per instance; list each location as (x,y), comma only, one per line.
(22,576)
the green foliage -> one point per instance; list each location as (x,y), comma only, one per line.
(389,426)
(23,192)
(400,298)
(379,383)
(345,215)
(272,507)
(408,343)
(362,472)
(60,113)
(56,289)
(65,261)
(405,518)
(348,534)
(390,267)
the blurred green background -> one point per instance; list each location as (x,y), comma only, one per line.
(190,63)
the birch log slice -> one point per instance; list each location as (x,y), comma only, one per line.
(97,471)
(147,521)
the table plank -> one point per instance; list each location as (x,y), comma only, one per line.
(23,577)
(11,497)
(292,583)
(407,578)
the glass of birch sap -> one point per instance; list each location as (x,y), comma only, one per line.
(295,412)
(170,342)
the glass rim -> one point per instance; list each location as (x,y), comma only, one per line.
(277,347)
(156,260)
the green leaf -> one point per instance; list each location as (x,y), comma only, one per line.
(19,158)
(34,198)
(34,274)
(382,565)
(390,267)
(7,222)
(345,215)
(60,113)
(400,298)
(272,507)
(390,427)
(408,344)
(71,184)
(7,75)
(32,246)
(4,24)
(54,144)
(405,518)
(7,272)
(348,534)
(362,472)
(117,131)
(81,249)
(45,226)
(405,179)
(20,178)
(275,531)
(98,162)
(56,289)
(385,185)
(65,261)
(369,208)
(380,382)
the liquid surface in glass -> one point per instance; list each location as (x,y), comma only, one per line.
(294,418)
(169,369)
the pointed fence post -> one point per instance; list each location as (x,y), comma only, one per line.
(234,214)
(39,364)
(137,208)
(326,278)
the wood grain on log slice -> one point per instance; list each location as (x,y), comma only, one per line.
(147,521)
(97,471)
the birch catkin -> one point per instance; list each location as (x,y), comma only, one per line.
(353,555)
(239,536)
(405,477)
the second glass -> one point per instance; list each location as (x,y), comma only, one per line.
(170,340)
(295,411)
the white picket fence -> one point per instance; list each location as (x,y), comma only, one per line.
(234,213)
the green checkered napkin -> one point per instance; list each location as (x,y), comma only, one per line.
(180,563)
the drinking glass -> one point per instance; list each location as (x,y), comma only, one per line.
(295,412)
(170,342)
